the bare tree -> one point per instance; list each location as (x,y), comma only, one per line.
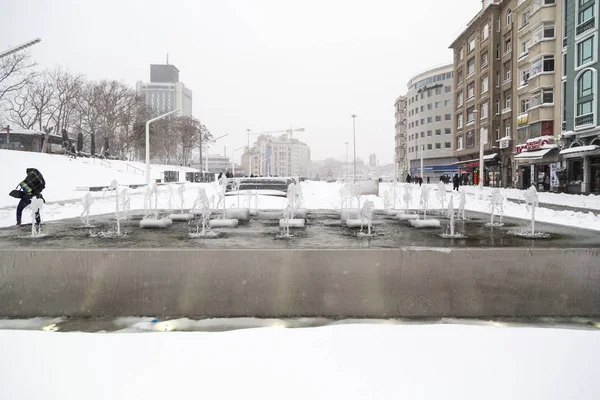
(16,71)
(32,106)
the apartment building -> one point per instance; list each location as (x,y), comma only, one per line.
(484,94)
(277,156)
(429,123)
(538,82)
(401,166)
(580,87)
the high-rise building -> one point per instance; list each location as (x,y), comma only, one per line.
(429,123)
(164,92)
(401,165)
(537,80)
(580,87)
(277,156)
(484,93)
(372,160)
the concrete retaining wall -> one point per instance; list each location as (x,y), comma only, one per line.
(280,283)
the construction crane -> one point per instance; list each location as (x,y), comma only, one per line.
(20,47)
(290,132)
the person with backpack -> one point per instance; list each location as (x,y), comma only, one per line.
(31,186)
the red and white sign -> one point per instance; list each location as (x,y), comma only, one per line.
(535,143)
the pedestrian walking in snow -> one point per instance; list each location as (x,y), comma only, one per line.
(455,182)
(408,178)
(420,180)
(31,186)
(428,180)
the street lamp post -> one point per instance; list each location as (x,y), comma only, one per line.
(148,142)
(346,161)
(207,143)
(354,136)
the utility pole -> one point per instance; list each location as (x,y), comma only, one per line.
(354,136)
(346,161)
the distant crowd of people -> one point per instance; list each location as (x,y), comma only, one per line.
(456,180)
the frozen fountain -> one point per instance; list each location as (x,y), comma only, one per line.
(366,217)
(531,199)
(450,233)
(202,205)
(462,203)
(239,213)
(223,222)
(114,186)
(348,193)
(153,221)
(289,219)
(389,202)
(87,202)
(496,206)
(424,206)
(126,200)
(170,193)
(181,216)
(441,194)
(407,197)
(35,207)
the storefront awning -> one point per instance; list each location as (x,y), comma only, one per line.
(533,155)
(580,149)
(486,157)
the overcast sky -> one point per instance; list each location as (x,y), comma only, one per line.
(257,64)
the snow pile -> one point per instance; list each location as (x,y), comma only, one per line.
(360,361)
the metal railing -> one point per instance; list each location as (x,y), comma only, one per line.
(584,119)
(586,26)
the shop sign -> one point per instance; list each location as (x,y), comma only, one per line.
(504,143)
(532,169)
(535,143)
(522,119)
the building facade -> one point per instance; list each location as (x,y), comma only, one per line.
(484,95)
(401,162)
(580,87)
(429,110)
(372,160)
(538,91)
(277,156)
(164,92)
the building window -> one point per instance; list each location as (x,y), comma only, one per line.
(548,63)
(447,131)
(438,104)
(471,66)
(428,93)
(498,24)
(448,89)
(485,31)
(484,60)
(484,110)
(497,134)
(507,100)
(544,96)
(470,114)
(447,145)
(461,54)
(429,133)
(524,47)
(524,105)
(585,99)
(438,118)
(438,146)
(507,71)
(497,107)
(429,146)
(470,90)
(429,120)
(524,76)
(459,121)
(508,17)
(446,103)
(507,46)
(447,117)
(507,129)
(470,139)
(546,31)
(525,18)
(422,121)
(438,132)
(497,79)
(422,108)
(564,66)
(585,14)
(471,45)
(459,99)
(429,106)
(585,51)
(459,143)
(438,90)
(484,84)
(422,134)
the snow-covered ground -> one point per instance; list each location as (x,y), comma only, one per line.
(361,361)
(63,176)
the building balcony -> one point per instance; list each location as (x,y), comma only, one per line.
(541,113)
(586,26)
(506,84)
(543,14)
(544,79)
(546,46)
(506,56)
(583,120)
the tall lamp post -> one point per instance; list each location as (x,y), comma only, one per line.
(148,142)
(354,136)
(207,143)
(346,161)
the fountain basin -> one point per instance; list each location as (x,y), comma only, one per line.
(301,213)
(393,212)
(425,223)
(253,213)
(270,215)
(224,223)
(292,223)
(348,213)
(358,223)
(241,214)
(407,217)
(181,217)
(155,223)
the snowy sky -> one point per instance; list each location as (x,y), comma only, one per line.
(260,64)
